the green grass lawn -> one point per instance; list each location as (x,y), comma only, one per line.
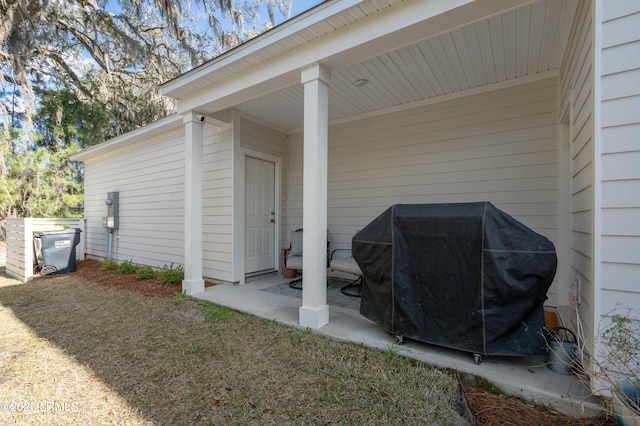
(100,355)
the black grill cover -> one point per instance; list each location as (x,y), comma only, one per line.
(465,276)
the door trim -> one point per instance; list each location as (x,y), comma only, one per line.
(261,220)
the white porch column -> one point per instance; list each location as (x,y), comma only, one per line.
(314,312)
(193,133)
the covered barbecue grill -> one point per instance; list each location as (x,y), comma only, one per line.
(465,276)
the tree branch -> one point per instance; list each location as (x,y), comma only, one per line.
(82,38)
(60,61)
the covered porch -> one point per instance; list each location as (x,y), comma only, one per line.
(526,377)
(360,106)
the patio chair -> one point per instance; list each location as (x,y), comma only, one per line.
(347,265)
(292,259)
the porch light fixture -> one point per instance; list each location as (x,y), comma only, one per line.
(361,82)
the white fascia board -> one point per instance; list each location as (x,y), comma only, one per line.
(157,128)
(399,25)
(311,17)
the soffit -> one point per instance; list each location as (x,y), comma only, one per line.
(518,43)
(318,22)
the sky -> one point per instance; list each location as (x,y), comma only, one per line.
(86,62)
(299,6)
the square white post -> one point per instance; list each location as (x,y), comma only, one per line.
(193,282)
(314,312)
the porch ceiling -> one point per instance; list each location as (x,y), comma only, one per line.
(518,43)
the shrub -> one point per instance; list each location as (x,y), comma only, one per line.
(171,274)
(127,267)
(145,274)
(109,264)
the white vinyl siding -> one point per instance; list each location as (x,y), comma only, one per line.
(149,176)
(576,85)
(218,190)
(217,193)
(620,154)
(261,138)
(499,146)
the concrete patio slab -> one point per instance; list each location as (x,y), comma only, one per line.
(526,377)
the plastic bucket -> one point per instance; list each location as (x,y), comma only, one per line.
(626,403)
(562,351)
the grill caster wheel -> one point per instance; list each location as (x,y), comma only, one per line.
(477,358)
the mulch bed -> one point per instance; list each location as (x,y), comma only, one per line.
(90,270)
(487,409)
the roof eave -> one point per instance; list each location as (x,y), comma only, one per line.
(159,127)
(175,88)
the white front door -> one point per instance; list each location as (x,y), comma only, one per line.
(259,215)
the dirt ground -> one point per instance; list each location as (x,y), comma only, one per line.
(486,408)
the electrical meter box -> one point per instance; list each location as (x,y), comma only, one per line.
(113,210)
